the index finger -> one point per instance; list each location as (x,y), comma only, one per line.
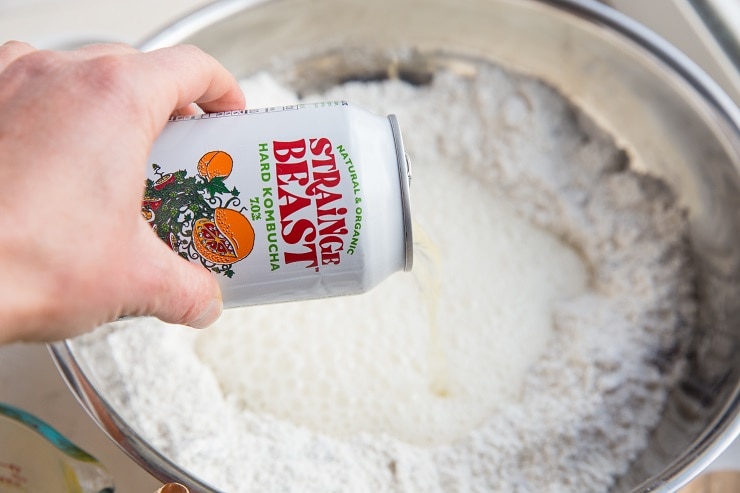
(185,74)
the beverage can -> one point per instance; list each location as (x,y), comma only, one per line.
(284,203)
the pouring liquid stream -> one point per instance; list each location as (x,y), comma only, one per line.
(427,273)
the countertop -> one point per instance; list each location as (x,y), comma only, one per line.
(28,377)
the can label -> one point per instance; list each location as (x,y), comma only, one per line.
(274,198)
(311,202)
(197,214)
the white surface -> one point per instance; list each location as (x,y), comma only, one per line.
(28,378)
(51,23)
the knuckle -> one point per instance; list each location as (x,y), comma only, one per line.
(14,46)
(109,78)
(34,64)
(191,53)
(190,49)
(107,71)
(114,47)
(120,46)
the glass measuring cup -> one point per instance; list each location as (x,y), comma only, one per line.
(35,457)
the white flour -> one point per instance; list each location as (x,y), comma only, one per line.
(577,388)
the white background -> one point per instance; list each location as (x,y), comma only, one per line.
(28,378)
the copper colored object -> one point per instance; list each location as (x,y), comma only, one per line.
(714,482)
(173,488)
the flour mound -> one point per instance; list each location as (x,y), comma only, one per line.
(595,379)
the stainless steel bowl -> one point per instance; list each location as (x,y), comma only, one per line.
(672,119)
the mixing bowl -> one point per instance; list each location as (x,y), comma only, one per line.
(672,120)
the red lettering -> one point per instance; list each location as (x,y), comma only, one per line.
(327,242)
(289,203)
(324,198)
(297,187)
(335,227)
(321,146)
(294,232)
(330,248)
(283,151)
(330,212)
(309,256)
(330,258)
(297,171)
(329,180)
(320,163)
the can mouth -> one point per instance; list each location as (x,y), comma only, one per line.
(404,176)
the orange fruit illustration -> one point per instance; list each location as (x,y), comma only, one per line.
(226,239)
(148,214)
(164,181)
(215,163)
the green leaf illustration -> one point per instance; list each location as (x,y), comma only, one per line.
(215,186)
(178,203)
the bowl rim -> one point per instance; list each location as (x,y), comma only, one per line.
(589,10)
(705,449)
(120,432)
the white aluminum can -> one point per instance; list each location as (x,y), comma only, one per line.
(284,203)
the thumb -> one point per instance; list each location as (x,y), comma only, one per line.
(172,288)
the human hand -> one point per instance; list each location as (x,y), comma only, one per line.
(75,133)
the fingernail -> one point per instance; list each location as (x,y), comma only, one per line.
(209,315)
(173,488)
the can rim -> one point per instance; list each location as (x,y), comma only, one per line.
(404,176)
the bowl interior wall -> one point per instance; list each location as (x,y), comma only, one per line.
(660,120)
